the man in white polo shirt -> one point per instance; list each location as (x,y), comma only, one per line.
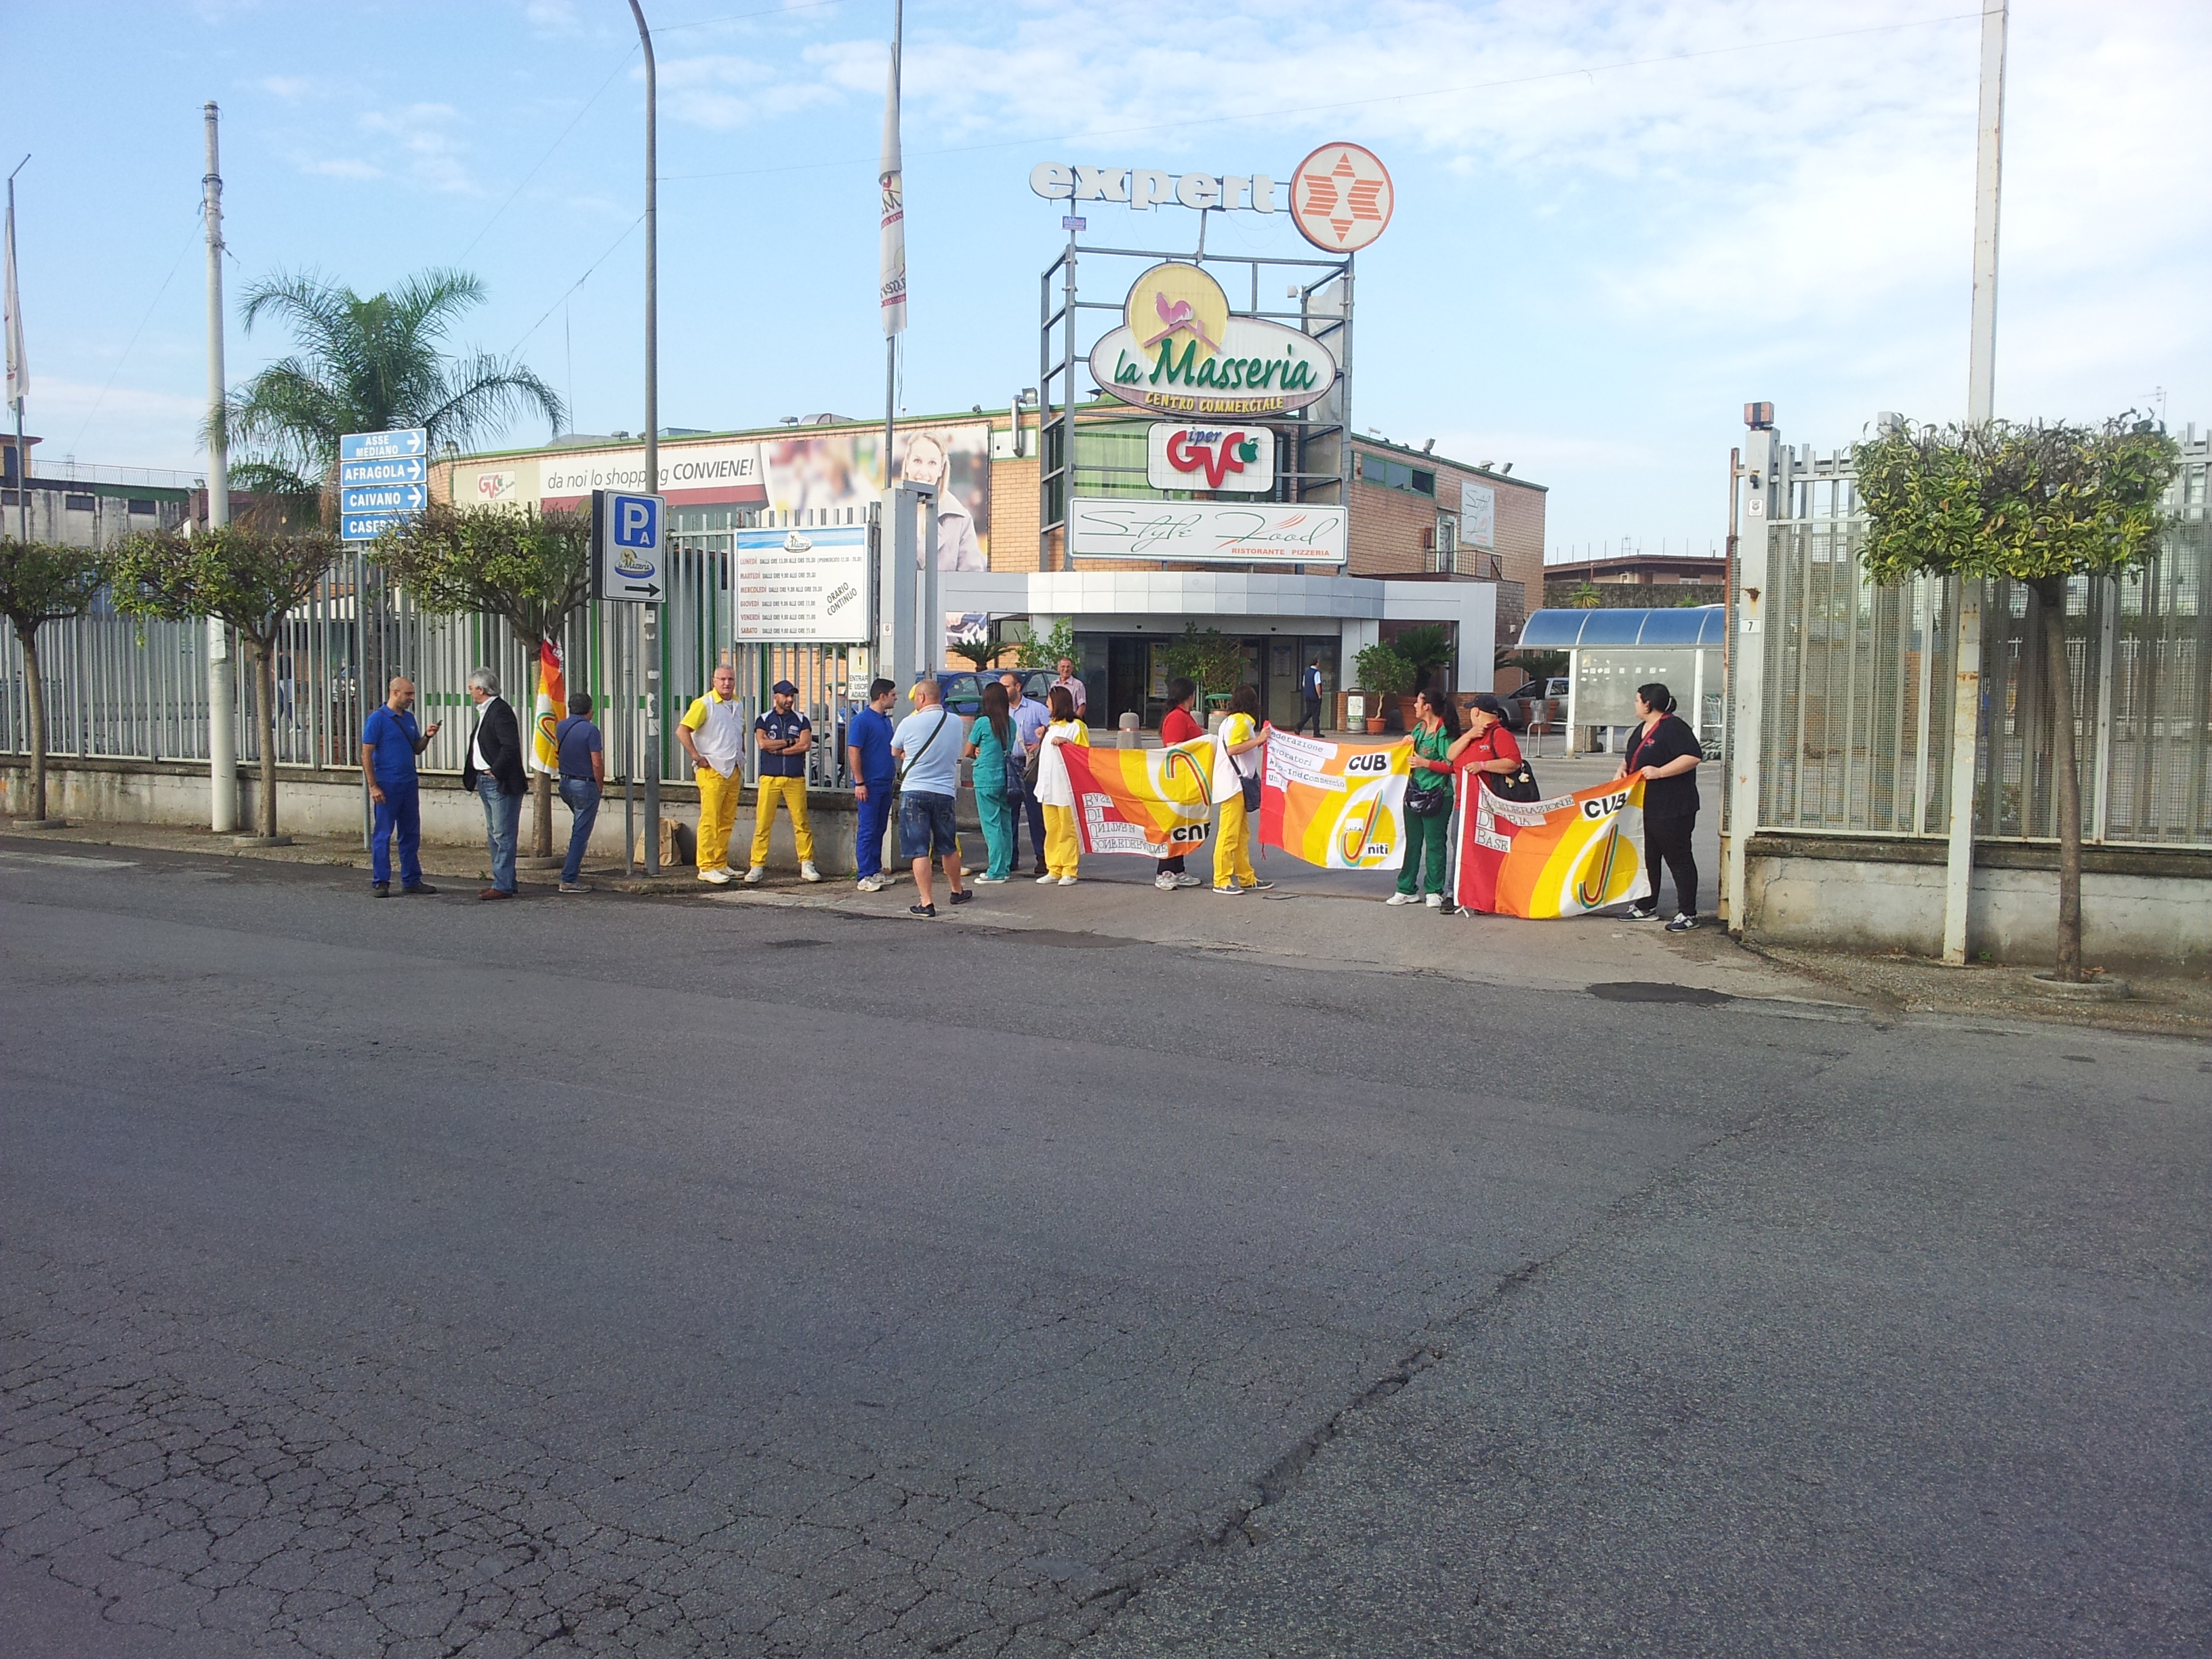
(713,732)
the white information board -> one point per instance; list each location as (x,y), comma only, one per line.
(809,585)
(1208,532)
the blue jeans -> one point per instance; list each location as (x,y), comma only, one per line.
(1017,806)
(926,825)
(400,810)
(875,814)
(502,815)
(582,796)
(997,814)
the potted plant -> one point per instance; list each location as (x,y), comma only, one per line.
(1386,674)
(1426,648)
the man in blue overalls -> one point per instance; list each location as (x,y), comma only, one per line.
(875,781)
(389,744)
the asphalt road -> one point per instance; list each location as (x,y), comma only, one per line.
(613,1277)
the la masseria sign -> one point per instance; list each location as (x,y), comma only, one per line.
(1179,351)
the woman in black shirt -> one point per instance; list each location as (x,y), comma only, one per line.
(1666,753)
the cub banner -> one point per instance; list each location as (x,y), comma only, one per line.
(1341,806)
(1151,802)
(1563,857)
(552,709)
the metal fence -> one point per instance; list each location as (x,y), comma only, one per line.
(120,688)
(1857,732)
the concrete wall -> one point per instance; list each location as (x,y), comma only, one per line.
(325,804)
(2139,907)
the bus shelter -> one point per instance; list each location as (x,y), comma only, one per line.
(1612,652)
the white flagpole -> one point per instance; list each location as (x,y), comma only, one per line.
(19,367)
(891,294)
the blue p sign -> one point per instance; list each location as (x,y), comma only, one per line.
(637,521)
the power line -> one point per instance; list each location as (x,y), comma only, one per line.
(578,283)
(548,156)
(1349,103)
(141,329)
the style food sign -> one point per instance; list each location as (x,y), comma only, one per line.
(1179,351)
(1208,532)
(1341,197)
(1218,458)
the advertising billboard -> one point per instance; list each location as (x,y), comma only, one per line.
(1208,532)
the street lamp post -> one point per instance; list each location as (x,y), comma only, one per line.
(649,621)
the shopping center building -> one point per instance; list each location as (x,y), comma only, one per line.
(1188,459)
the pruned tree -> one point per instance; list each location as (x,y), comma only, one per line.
(249,577)
(1211,659)
(2039,504)
(530,568)
(41,583)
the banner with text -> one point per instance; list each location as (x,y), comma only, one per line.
(1563,857)
(1341,806)
(1154,803)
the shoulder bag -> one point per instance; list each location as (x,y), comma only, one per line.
(943,715)
(1431,798)
(1520,784)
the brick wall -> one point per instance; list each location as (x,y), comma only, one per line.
(1387,524)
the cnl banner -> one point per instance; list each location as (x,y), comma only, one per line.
(1341,806)
(1151,802)
(552,709)
(1562,857)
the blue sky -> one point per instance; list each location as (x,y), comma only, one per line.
(1615,223)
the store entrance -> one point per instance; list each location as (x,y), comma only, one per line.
(1132,672)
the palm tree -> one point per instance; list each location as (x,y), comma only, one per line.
(370,365)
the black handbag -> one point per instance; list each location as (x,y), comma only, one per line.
(1518,785)
(1428,800)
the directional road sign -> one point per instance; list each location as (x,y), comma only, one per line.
(412,470)
(384,498)
(368,526)
(382,446)
(381,479)
(626,532)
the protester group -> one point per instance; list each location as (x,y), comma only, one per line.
(1016,746)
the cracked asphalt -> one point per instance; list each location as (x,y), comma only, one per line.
(634,1277)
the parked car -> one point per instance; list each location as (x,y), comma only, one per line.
(1542,702)
(963,687)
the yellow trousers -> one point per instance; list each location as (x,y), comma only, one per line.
(1062,851)
(1232,844)
(792,792)
(718,815)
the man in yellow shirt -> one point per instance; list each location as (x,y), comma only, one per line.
(713,732)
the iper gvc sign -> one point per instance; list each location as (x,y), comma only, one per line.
(1181,352)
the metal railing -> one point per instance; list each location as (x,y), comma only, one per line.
(120,688)
(1857,732)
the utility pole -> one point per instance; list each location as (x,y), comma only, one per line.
(1981,405)
(649,618)
(18,370)
(222,686)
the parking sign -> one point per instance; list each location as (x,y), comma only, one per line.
(626,537)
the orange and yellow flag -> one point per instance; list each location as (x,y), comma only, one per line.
(1341,806)
(552,704)
(1562,857)
(1152,802)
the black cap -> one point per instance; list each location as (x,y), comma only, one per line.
(1489,705)
(784,688)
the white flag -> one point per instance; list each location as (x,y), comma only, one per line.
(892,297)
(11,317)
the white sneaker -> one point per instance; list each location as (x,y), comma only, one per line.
(718,877)
(1188,880)
(1067,881)
(1402,899)
(870,884)
(1164,881)
(987,881)
(807,871)
(1435,901)
(753,875)
(1047,880)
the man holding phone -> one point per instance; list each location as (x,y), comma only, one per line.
(389,745)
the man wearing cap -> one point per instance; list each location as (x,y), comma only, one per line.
(783,735)
(713,733)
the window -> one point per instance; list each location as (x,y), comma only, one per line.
(1396,475)
(1443,554)
(78,503)
(144,509)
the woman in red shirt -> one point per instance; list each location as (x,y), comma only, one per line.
(1486,745)
(1176,726)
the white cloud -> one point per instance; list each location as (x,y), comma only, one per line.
(722,91)
(129,426)
(425,134)
(292,88)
